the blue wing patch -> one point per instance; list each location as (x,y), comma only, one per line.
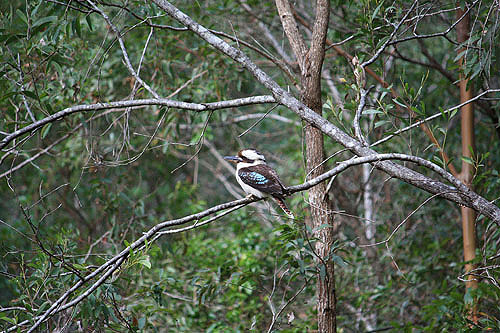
(262,178)
(257,178)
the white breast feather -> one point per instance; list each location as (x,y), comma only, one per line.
(247,188)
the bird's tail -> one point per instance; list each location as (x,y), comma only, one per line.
(283,206)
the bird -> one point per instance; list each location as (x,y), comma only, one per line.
(257,178)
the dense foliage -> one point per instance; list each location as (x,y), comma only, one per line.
(96,181)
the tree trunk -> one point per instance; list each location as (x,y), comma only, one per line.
(318,201)
(310,64)
(468,148)
(320,216)
(318,198)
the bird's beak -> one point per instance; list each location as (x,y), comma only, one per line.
(234,159)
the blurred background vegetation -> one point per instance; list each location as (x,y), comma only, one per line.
(109,176)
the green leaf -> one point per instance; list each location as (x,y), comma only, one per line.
(43,20)
(196,138)
(79,267)
(7,95)
(442,130)
(438,160)
(398,103)
(29,94)
(144,261)
(322,272)
(328,104)
(42,307)
(381,123)
(339,261)
(382,41)
(372,111)
(459,55)
(375,12)
(46,129)
(468,299)
(467,160)
(10,320)
(89,22)
(22,16)
(78,27)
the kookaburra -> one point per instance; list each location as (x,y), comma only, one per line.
(257,178)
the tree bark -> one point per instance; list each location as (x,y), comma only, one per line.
(310,64)
(320,215)
(320,212)
(467,173)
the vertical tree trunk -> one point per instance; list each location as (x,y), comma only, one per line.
(468,147)
(310,63)
(318,200)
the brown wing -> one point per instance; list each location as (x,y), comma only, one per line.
(263,178)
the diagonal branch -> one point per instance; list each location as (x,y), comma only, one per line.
(469,198)
(434,116)
(114,263)
(437,34)
(394,95)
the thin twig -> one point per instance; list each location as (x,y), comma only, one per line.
(401,223)
(357,129)
(258,121)
(434,116)
(382,48)
(202,137)
(124,51)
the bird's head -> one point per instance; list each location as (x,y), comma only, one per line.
(250,155)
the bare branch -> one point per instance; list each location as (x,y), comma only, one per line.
(114,263)
(276,315)
(258,121)
(137,103)
(437,34)
(394,94)
(267,54)
(459,186)
(185,84)
(434,116)
(357,129)
(37,155)
(401,223)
